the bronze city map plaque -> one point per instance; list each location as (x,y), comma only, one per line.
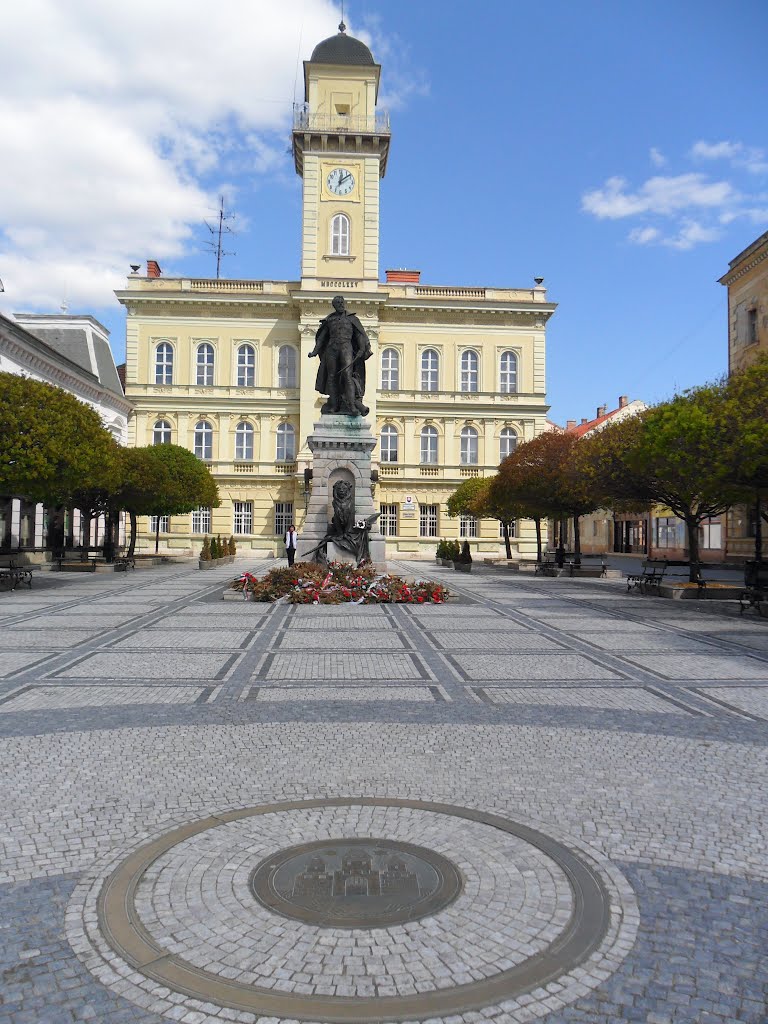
(356,883)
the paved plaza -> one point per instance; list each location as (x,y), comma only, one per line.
(569,781)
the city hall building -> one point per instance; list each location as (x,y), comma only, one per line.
(456,380)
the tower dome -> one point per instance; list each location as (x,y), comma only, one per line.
(341,49)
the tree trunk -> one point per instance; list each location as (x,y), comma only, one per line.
(539,553)
(560,556)
(157,536)
(132,542)
(692,529)
(576,543)
(758,528)
(85,530)
(507,545)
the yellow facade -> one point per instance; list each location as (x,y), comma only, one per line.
(459,373)
(747,283)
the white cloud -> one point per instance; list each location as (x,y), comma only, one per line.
(683,210)
(657,195)
(643,236)
(750,158)
(119,121)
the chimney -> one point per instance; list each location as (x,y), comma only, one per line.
(153,268)
(623,401)
(403,276)
(570,424)
(601,410)
(584,420)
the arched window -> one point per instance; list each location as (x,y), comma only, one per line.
(164,363)
(469,370)
(429,445)
(204,440)
(286,443)
(244,441)
(390,370)
(388,443)
(507,443)
(161,433)
(205,365)
(468,446)
(429,370)
(508,373)
(246,366)
(340,235)
(286,367)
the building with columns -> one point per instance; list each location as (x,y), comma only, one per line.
(457,376)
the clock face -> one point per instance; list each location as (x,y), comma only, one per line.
(340,181)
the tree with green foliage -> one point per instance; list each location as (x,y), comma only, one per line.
(163,480)
(676,455)
(480,497)
(54,449)
(745,419)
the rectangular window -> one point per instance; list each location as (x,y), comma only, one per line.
(201,520)
(243,520)
(283,517)
(752,327)
(512,529)
(428,520)
(669,531)
(467,526)
(164,522)
(388,520)
(711,536)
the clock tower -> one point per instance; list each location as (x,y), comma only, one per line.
(340,149)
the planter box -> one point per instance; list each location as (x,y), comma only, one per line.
(446,563)
(212,563)
(462,566)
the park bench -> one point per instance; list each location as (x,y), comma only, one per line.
(656,570)
(124,562)
(16,574)
(755,592)
(546,567)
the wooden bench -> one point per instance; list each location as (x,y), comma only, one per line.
(755,592)
(16,574)
(656,570)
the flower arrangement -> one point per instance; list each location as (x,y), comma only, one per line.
(337,583)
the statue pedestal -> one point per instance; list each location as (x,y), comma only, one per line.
(341,449)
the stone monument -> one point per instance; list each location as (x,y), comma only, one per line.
(341,519)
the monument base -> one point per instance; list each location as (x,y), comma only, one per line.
(341,449)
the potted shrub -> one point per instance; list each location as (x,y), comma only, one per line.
(464,561)
(214,549)
(204,558)
(232,547)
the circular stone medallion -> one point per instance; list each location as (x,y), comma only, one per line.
(356,883)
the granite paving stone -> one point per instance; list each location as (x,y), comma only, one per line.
(632,732)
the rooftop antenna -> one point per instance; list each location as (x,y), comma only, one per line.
(218,231)
(342,26)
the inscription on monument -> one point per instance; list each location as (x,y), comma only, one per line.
(356,883)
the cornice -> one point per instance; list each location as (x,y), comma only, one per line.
(70,381)
(738,272)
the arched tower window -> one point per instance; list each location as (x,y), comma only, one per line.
(164,363)
(390,370)
(508,373)
(161,433)
(286,443)
(429,445)
(340,235)
(244,441)
(468,446)
(204,440)
(205,365)
(507,443)
(469,370)
(246,366)
(286,367)
(430,365)
(389,439)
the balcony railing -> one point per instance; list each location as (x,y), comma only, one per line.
(350,124)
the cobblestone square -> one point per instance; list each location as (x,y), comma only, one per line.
(159,745)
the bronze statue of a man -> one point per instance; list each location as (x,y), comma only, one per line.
(343,347)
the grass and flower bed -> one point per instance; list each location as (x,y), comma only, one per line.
(337,583)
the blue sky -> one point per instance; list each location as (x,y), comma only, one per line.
(616,149)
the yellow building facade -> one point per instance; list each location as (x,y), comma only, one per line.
(456,379)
